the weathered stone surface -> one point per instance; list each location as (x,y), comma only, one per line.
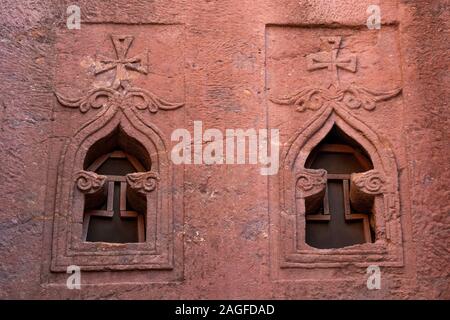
(228,63)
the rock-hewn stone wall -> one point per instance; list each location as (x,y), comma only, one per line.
(228,63)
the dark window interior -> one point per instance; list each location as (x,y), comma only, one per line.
(340,156)
(115,229)
(115,214)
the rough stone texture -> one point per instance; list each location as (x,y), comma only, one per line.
(225,71)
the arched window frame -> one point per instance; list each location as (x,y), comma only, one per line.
(387,250)
(68,246)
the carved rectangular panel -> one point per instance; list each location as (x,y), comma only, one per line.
(317,78)
(110,78)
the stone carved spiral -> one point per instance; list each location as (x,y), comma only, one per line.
(371,182)
(304,182)
(143,182)
(311,181)
(89,182)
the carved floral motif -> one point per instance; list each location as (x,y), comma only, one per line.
(89,182)
(143,182)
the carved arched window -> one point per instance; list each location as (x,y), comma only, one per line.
(115,182)
(338,216)
(339,201)
(116,178)
(113,173)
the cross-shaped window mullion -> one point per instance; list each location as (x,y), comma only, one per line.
(327,216)
(355,216)
(109,212)
(124,213)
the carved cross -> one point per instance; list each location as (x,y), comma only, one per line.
(337,232)
(138,63)
(330,60)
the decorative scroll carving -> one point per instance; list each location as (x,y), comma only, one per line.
(129,98)
(352,97)
(364,186)
(143,182)
(120,93)
(117,118)
(334,96)
(370,182)
(89,182)
(310,182)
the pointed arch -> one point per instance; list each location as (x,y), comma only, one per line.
(305,140)
(104,124)
(387,248)
(157,250)
(316,130)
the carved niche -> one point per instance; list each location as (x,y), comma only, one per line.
(121,107)
(334,105)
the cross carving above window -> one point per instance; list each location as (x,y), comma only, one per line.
(330,59)
(121,63)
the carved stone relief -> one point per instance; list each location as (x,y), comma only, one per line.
(321,104)
(120,93)
(143,182)
(334,95)
(89,182)
(120,107)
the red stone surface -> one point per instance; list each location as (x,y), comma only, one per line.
(226,61)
